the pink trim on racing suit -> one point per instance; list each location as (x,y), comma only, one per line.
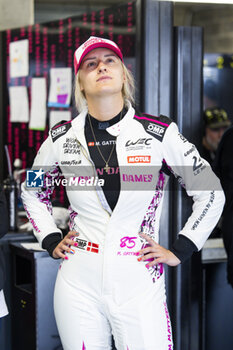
(151,120)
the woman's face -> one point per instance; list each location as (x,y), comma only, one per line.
(101,74)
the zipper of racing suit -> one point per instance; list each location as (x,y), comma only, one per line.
(99,191)
(103,202)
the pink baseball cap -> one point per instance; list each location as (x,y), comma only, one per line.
(93,43)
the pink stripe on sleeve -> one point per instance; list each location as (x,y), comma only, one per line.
(151,120)
(69,121)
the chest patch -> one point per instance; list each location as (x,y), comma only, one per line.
(155,126)
(59,130)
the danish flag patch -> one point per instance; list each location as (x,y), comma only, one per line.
(93,247)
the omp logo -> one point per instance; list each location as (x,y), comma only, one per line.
(58,131)
(81,243)
(35,178)
(155,129)
(139,159)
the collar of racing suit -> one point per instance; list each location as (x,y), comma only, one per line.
(78,123)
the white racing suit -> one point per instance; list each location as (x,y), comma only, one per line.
(102,288)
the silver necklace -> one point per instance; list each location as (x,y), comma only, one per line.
(107,167)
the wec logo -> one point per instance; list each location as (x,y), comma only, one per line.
(143,141)
(155,129)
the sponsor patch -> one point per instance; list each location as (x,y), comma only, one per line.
(139,159)
(60,130)
(198,165)
(88,246)
(102,143)
(110,171)
(71,146)
(103,125)
(192,149)
(155,126)
(137,177)
(182,137)
(70,162)
(156,130)
(138,144)
(204,212)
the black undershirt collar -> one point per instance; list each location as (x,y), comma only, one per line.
(103,125)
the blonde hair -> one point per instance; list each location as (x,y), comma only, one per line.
(128,90)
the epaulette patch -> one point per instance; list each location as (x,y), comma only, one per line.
(155,126)
(60,129)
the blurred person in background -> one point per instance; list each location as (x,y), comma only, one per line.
(223,167)
(3,231)
(215,122)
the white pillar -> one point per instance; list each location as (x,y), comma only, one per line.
(16,13)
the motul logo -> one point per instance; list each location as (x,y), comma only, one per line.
(91,144)
(139,159)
